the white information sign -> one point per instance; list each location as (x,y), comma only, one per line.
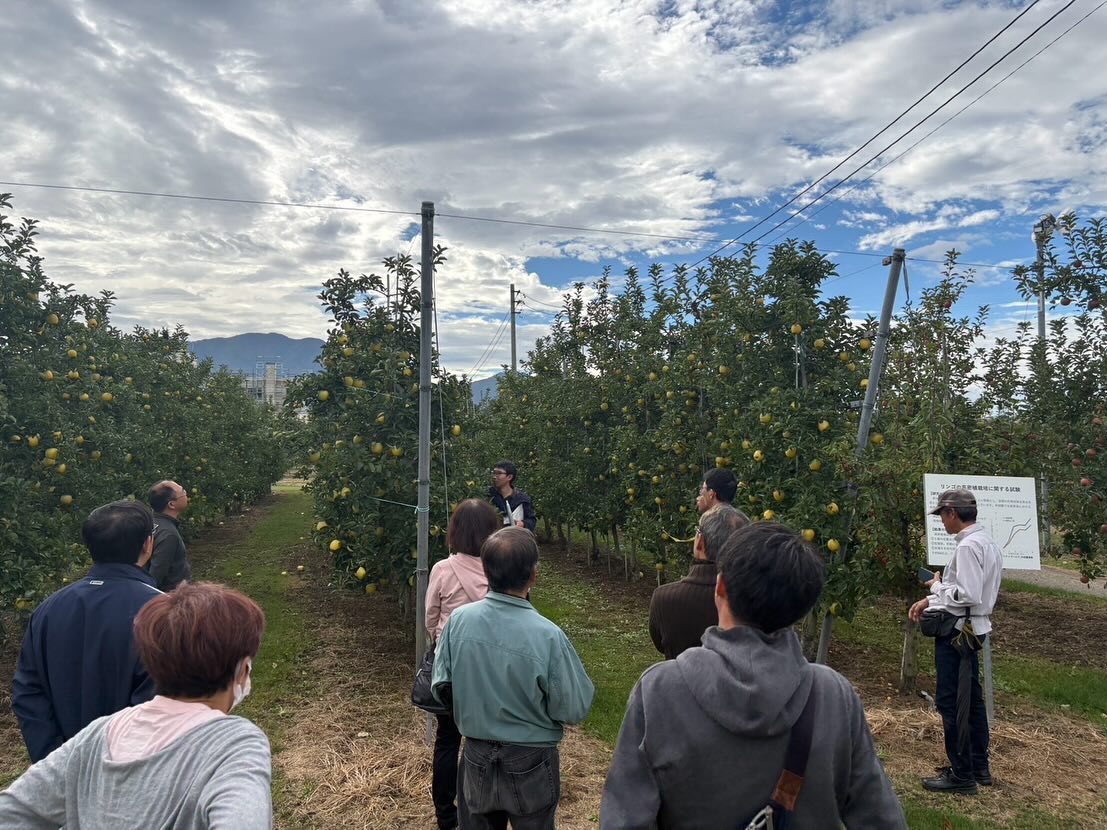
(1006,506)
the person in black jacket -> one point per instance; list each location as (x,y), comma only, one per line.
(78,661)
(507,499)
(169,565)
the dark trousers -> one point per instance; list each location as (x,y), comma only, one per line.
(973,756)
(499,782)
(447,744)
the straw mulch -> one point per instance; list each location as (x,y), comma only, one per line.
(1040,761)
(356,756)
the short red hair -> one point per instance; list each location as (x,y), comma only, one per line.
(191,640)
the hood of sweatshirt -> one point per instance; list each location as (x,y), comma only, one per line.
(749,682)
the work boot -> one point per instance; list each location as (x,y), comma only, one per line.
(947,782)
(983,777)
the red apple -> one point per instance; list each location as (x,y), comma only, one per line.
(1085,482)
(1066,300)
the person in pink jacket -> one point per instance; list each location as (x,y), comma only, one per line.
(455,581)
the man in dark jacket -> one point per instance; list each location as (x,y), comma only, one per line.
(514,505)
(78,661)
(169,565)
(703,741)
(681,611)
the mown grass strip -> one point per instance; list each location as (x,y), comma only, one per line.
(613,643)
(1018,587)
(253,565)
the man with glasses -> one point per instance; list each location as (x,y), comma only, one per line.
(169,565)
(968,589)
(514,505)
(78,661)
(719,487)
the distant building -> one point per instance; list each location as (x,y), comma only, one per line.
(268,384)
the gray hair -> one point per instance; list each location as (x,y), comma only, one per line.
(716,526)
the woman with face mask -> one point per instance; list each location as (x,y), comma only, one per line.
(180,760)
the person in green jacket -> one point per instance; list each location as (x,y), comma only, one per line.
(514,680)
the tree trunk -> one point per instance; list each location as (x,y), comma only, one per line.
(546,528)
(594,556)
(909,665)
(619,552)
(809,635)
(562,538)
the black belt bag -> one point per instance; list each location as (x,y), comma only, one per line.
(938,622)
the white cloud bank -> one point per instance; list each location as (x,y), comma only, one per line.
(663,117)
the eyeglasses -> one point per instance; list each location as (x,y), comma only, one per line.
(498,473)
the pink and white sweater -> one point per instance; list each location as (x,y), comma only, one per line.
(454,582)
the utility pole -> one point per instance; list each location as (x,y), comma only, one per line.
(1043,228)
(426,301)
(514,361)
(876,367)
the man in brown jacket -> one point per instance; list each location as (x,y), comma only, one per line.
(681,611)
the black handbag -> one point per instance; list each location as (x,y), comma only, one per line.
(421,696)
(938,622)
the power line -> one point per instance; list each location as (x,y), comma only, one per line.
(490,346)
(198,198)
(576,227)
(351,208)
(917,124)
(971,103)
(540,302)
(492,350)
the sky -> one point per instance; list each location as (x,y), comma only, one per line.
(656,118)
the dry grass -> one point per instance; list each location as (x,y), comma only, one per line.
(1039,761)
(356,755)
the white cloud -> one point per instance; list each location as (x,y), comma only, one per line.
(669,118)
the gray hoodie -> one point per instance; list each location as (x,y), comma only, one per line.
(213,777)
(703,740)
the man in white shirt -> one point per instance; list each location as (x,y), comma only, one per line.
(969,589)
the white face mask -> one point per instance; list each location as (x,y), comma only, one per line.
(242,691)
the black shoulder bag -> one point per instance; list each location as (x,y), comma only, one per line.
(777,814)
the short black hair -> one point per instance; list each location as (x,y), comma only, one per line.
(160,495)
(116,532)
(966,514)
(722,482)
(508,468)
(509,557)
(772,576)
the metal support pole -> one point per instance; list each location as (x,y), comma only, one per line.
(426,301)
(880,349)
(514,360)
(895,263)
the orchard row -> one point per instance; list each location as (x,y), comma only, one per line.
(636,393)
(90,414)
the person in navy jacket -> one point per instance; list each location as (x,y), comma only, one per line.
(506,499)
(78,660)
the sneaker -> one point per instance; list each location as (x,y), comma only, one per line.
(947,782)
